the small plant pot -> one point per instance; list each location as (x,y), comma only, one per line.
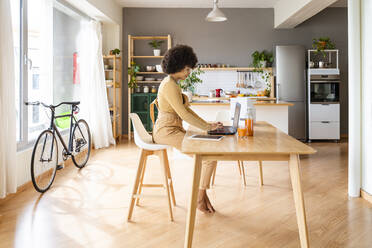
(263,64)
(156,52)
(322,44)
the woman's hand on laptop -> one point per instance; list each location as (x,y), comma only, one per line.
(216,125)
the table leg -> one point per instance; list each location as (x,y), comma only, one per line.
(190,221)
(294,170)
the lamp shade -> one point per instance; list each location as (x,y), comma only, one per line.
(216,14)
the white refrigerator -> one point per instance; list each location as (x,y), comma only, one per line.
(290,70)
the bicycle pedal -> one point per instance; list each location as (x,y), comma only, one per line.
(60,166)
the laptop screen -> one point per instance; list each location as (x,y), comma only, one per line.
(236,115)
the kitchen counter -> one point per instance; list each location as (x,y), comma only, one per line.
(227,102)
(275,113)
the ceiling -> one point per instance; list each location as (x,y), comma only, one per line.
(340,3)
(197,3)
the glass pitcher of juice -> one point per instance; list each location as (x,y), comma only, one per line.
(249,122)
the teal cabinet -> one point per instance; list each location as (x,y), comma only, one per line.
(140,104)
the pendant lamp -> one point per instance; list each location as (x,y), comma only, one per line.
(216,14)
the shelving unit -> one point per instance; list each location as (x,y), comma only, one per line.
(324,115)
(114,89)
(139,102)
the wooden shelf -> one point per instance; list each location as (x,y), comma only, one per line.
(147,57)
(114,96)
(150,37)
(111,57)
(234,69)
(150,72)
(131,57)
(143,82)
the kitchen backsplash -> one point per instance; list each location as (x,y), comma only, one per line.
(225,80)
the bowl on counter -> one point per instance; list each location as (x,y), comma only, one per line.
(159,79)
(150,68)
(231,93)
(139,78)
(149,79)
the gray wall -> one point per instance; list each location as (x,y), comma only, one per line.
(234,41)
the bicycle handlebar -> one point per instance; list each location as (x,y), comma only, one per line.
(52,106)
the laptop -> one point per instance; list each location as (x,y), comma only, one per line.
(229,130)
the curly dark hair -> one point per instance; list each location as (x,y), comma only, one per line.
(177,58)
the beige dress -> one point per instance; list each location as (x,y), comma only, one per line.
(173,107)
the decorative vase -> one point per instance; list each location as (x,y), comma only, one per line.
(156,52)
(188,94)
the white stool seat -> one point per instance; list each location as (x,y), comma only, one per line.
(142,138)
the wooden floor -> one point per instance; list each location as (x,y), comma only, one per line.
(88,208)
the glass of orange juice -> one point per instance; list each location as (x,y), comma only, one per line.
(249,123)
(242,131)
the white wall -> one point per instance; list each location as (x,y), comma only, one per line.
(366,61)
(360,102)
(226,80)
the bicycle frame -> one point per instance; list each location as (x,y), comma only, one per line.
(54,129)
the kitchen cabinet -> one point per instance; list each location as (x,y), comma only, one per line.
(141,106)
(324,130)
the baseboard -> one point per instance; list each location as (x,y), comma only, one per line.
(125,136)
(28,184)
(366,196)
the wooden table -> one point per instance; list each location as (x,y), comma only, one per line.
(267,144)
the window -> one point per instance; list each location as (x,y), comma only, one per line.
(44,55)
(35,79)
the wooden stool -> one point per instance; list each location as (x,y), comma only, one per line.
(144,141)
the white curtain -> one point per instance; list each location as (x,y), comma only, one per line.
(8,179)
(94,103)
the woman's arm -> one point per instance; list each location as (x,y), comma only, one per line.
(172,93)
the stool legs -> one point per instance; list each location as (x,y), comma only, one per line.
(141,181)
(164,164)
(241,166)
(169,177)
(260,174)
(242,173)
(136,182)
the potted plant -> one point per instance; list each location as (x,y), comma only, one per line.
(115,51)
(322,44)
(188,85)
(132,72)
(262,59)
(156,45)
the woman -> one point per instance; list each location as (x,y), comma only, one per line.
(174,107)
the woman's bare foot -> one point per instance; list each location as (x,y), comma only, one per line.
(204,204)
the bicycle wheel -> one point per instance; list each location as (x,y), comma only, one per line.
(81,143)
(44,161)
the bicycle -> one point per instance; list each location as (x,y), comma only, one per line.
(44,160)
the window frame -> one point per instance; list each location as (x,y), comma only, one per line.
(24,142)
